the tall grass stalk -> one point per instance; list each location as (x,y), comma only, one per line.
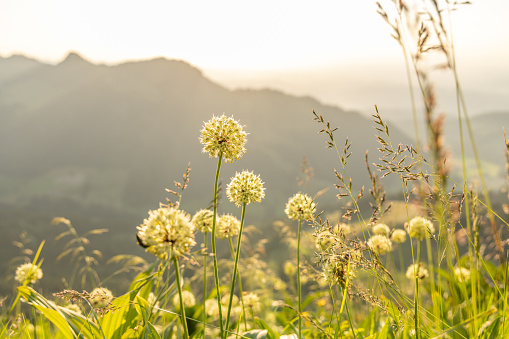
(205,238)
(298,281)
(182,307)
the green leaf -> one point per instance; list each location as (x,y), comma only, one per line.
(150,332)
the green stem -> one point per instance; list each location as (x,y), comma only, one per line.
(182,308)
(237,255)
(205,281)
(298,281)
(214,252)
(416,299)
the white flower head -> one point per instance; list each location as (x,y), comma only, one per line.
(100,297)
(462,274)
(300,207)
(252,301)
(203,220)
(167,233)
(29,273)
(398,236)
(187,298)
(227,226)
(381,229)
(245,188)
(417,271)
(380,244)
(419,228)
(223,135)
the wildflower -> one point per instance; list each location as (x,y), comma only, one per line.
(245,188)
(289,268)
(167,233)
(187,298)
(419,227)
(252,301)
(300,207)
(343,229)
(462,274)
(380,244)
(324,240)
(212,308)
(398,236)
(222,135)
(417,271)
(29,273)
(202,220)
(100,297)
(74,308)
(381,229)
(227,226)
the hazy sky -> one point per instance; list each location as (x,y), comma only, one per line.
(302,47)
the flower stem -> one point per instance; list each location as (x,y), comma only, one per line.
(214,256)
(205,281)
(298,280)
(416,300)
(234,275)
(182,308)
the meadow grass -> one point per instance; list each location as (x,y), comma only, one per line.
(349,277)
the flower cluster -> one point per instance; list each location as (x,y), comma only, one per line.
(29,273)
(381,229)
(227,226)
(223,135)
(100,297)
(417,271)
(398,236)
(419,228)
(203,220)
(462,274)
(252,301)
(187,298)
(300,207)
(167,233)
(380,244)
(245,188)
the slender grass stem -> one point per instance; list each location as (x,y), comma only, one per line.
(416,298)
(205,280)
(214,252)
(182,308)
(298,281)
(234,274)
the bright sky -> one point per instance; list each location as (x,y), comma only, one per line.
(228,39)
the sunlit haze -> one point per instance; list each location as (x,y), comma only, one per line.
(337,51)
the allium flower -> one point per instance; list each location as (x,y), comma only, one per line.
(227,226)
(187,298)
(245,187)
(28,272)
(300,207)
(380,244)
(381,229)
(100,297)
(462,274)
(202,220)
(342,229)
(289,268)
(417,271)
(419,227)
(212,308)
(252,301)
(324,240)
(398,236)
(222,135)
(166,233)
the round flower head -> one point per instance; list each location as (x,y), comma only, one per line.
(202,220)
(100,297)
(398,236)
(222,135)
(417,271)
(245,188)
(419,227)
(28,272)
(187,298)
(227,226)
(462,274)
(289,268)
(380,244)
(252,301)
(166,233)
(342,229)
(381,229)
(300,207)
